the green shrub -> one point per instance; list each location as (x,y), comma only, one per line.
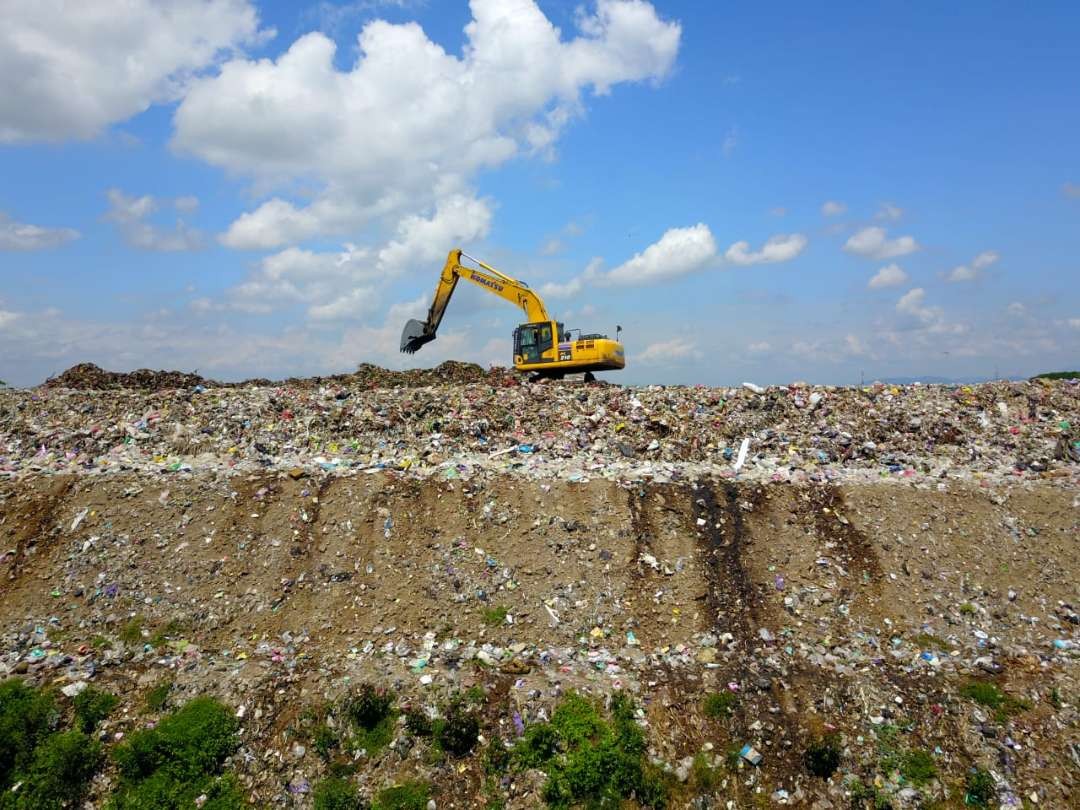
(458,730)
(63,765)
(417,722)
(822,757)
(170,765)
(91,707)
(369,705)
(337,794)
(158,695)
(494,616)
(719,704)
(26,717)
(325,740)
(979,788)
(590,760)
(411,795)
(988,695)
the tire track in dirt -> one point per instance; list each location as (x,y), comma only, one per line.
(824,511)
(33,521)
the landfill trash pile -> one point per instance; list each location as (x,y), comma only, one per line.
(796,617)
(376,420)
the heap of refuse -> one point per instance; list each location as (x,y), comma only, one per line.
(474,422)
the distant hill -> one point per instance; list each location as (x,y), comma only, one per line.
(932,380)
(1058,375)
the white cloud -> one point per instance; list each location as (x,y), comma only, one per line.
(913,303)
(186,205)
(551,247)
(970,271)
(832,208)
(129,215)
(855,347)
(22,236)
(779,248)
(1074,323)
(778,211)
(84,66)
(759,347)
(7,317)
(873,243)
(891,275)
(666,352)
(1017,309)
(569,289)
(1071,190)
(889,212)
(408,122)
(347,283)
(679,252)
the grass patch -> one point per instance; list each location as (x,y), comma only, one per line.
(27,717)
(157,696)
(703,776)
(917,766)
(325,741)
(412,795)
(968,609)
(979,788)
(822,757)
(100,642)
(719,704)
(494,616)
(131,633)
(171,630)
(371,712)
(987,694)
(91,707)
(169,766)
(592,760)
(867,797)
(928,641)
(337,794)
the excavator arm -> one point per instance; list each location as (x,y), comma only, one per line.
(417,333)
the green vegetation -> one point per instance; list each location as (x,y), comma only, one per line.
(60,773)
(52,766)
(494,616)
(1058,375)
(719,704)
(324,740)
(703,776)
(131,633)
(336,793)
(91,707)
(171,630)
(455,731)
(867,797)
(822,757)
(917,766)
(987,694)
(979,789)
(156,697)
(590,760)
(411,795)
(372,714)
(169,766)
(928,641)
(968,609)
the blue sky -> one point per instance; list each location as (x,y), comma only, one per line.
(767,192)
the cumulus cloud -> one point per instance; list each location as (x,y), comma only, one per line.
(409,122)
(832,208)
(130,213)
(972,270)
(891,275)
(873,243)
(1016,309)
(7,317)
(779,248)
(22,236)
(338,285)
(667,351)
(679,252)
(569,289)
(84,66)
(913,303)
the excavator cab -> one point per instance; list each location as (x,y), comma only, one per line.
(535,342)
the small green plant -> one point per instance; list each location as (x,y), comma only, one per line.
(412,795)
(371,711)
(822,757)
(979,788)
(703,776)
(91,707)
(475,695)
(494,616)
(171,630)
(100,642)
(719,704)
(917,766)
(158,695)
(928,641)
(592,760)
(1055,698)
(325,740)
(968,609)
(337,794)
(60,773)
(867,797)
(180,759)
(458,729)
(131,633)
(987,694)
(417,723)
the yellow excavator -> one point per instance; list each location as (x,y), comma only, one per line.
(542,346)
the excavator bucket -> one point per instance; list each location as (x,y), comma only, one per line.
(414,335)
